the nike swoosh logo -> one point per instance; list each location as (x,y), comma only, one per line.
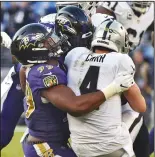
(133,68)
(50,73)
(7,83)
(123,86)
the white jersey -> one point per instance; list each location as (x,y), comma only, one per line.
(98,18)
(101,131)
(134,25)
(6,85)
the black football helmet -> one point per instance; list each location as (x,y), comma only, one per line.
(33,44)
(76,25)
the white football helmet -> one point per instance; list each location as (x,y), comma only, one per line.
(140,6)
(112,35)
(60,5)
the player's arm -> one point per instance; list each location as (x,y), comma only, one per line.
(135,99)
(133,94)
(5,40)
(65,99)
(105,9)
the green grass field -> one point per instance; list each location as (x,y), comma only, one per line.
(14,149)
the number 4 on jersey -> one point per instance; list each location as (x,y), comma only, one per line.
(89,83)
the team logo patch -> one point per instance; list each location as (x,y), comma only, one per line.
(50,81)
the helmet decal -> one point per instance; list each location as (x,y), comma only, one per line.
(65,24)
(30,39)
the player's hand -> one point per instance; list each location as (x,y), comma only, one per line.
(123,81)
(5,40)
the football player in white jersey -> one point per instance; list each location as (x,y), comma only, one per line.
(5,40)
(133,16)
(102,132)
(11,97)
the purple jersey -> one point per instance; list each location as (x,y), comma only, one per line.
(43,119)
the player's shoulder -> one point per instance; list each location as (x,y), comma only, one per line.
(44,70)
(117,54)
(48,18)
(126,62)
(123,56)
(75,53)
(78,51)
(45,76)
(48,21)
(98,18)
(119,57)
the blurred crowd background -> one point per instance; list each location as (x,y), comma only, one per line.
(16,14)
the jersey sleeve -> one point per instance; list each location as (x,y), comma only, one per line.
(46,76)
(126,64)
(98,18)
(108,5)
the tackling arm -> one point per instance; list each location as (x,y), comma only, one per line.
(64,98)
(103,10)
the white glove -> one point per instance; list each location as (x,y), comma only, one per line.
(121,83)
(6,40)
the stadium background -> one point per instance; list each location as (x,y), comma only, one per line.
(16,14)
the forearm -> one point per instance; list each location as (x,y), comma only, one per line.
(64,98)
(87,103)
(104,10)
(135,99)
